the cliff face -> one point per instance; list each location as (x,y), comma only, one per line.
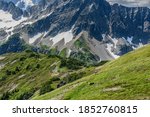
(115,29)
(130,22)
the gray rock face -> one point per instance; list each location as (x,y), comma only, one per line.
(130,22)
(91,16)
(96,17)
(11,8)
(114,29)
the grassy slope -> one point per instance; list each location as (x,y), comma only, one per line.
(26,79)
(25,74)
(125,78)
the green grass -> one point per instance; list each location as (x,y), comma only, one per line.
(26,71)
(84,53)
(125,78)
(28,74)
(81,43)
(63,53)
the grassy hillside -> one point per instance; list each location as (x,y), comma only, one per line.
(125,78)
(27,74)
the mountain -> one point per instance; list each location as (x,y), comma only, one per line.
(65,49)
(19,8)
(23,4)
(30,75)
(88,30)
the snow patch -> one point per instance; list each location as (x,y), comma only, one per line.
(90,7)
(103,35)
(2,58)
(34,38)
(24,4)
(2,66)
(130,39)
(69,52)
(115,41)
(140,45)
(6,20)
(44,16)
(109,48)
(67,36)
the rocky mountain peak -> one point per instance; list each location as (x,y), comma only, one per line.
(108,30)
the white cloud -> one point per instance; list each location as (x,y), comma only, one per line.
(131,2)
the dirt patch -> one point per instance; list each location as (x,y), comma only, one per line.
(21,76)
(148,79)
(13,62)
(13,87)
(2,57)
(2,66)
(143,98)
(112,89)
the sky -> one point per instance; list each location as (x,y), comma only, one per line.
(131,2)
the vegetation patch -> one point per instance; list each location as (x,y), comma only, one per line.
(124,78)
(46,87)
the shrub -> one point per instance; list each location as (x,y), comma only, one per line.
(28,51)
(62,83)
(101,63)
(17,69)
(3,78)
(8,72)
(34,55)
(38,66)
(54,56)
(29,67)
(74,76)
(71,63)
(55,78)
(26,95)
(13,72)
(5,96)
(22,58)
(46,87)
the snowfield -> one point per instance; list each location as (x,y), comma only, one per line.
(109,48)
(129,39)
(34,38)
(67,36)
(6,20)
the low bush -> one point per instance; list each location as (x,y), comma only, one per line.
(46,87)
(22,58)
(56,79)
(74,76)
(8,72)
(71,63)
(26,95)
(37,66)
(5,96)
(3,78)
(34,55)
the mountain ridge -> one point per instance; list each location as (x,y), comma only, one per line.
(117,29)
(71,49)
